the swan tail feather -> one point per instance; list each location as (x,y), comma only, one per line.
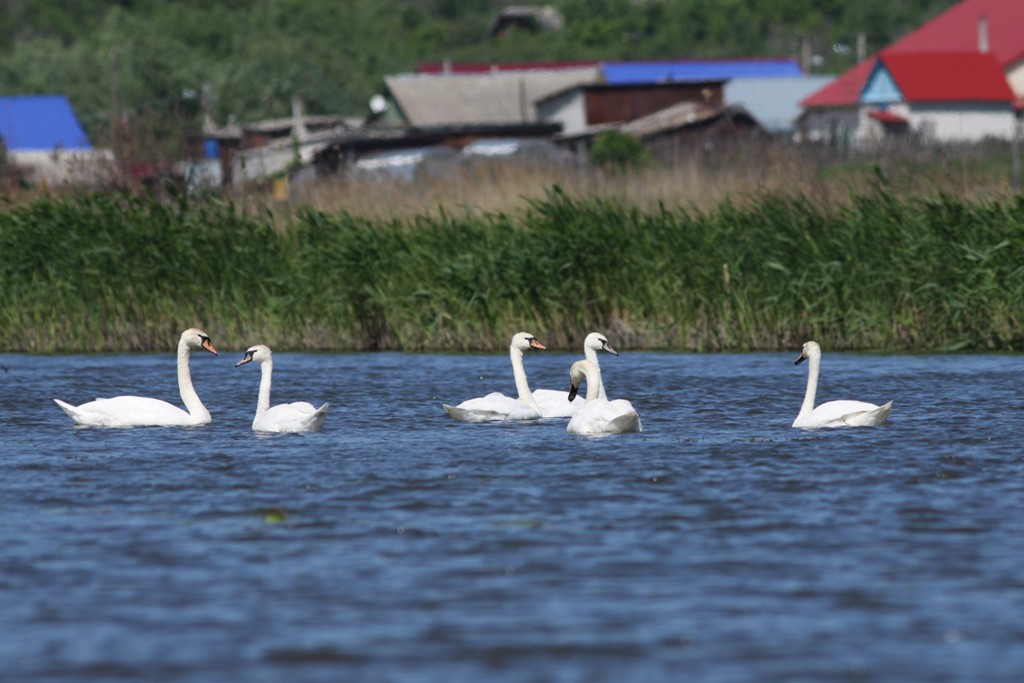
(467,415)
(870,417)
(85,417)
(71,411)
(476,414)
(317,419)
(626,423)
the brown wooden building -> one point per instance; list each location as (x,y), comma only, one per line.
(588,105)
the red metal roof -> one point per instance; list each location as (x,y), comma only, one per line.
(948,76)
(886,116)
(955,30)
(845,89)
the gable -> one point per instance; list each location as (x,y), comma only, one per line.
(881,88)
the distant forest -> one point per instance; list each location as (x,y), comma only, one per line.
(153,59)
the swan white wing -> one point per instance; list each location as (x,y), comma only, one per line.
(554,403)
(128,411)
(291,418)
(870,418)
(492,407)
(601,416)
(844,414)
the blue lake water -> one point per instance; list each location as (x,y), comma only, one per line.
(399,545)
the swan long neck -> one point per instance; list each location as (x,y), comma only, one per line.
(595,388)
(263,402)
(590,354)
(188,393)
(519,373)
(813,366)
(585,371)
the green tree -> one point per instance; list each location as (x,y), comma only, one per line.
(257,54)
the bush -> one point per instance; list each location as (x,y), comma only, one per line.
(614,149)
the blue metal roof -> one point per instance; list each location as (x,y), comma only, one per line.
(642,73)
(40,122)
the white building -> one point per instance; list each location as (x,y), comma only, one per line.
(958,78)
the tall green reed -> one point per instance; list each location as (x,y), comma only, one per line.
(879,271)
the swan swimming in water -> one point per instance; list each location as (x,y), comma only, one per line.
(552,402)
(286,417)
(598,415)
(139,411)
(497,406)
(833,413)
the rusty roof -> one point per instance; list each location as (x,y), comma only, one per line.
(679,116)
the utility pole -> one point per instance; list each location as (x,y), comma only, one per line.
(1015,153)
(115,106)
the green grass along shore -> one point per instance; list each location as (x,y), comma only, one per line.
(881,272)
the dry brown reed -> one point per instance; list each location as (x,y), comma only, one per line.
(700,180)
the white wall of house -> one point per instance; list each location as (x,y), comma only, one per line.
(965,122)
(950,122)
(274,158)
(567,108)
(873,130)
(81,167)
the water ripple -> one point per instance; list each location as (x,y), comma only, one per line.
(400,545)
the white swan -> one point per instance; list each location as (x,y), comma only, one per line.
(497,406)
(598,415)
(138,411)
(287,417)
(553,403)
(833,413)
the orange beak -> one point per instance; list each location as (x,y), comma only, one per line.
(209,346)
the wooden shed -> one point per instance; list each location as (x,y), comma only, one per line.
(585,105)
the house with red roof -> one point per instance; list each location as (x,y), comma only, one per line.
(960,77)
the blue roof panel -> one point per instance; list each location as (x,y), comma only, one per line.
(641,73)
(40,122)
